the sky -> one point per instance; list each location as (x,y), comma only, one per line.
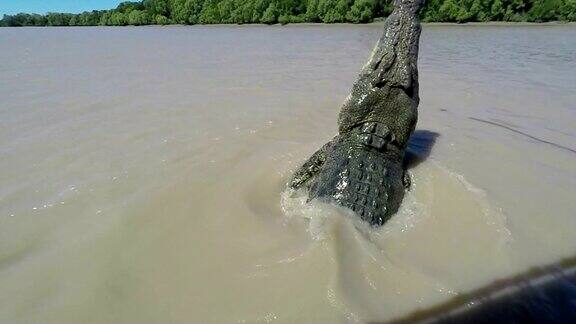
(43,6)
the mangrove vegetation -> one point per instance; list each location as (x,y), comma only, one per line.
(191,12)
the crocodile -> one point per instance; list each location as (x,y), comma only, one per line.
(362,167)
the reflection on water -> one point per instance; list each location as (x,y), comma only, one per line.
(144,172)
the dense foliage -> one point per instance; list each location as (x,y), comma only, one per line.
(162,12)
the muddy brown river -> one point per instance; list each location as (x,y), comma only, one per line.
(142,172)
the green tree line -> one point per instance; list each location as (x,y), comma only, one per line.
(190,12)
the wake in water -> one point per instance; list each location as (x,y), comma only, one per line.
(415,208)
(438,242)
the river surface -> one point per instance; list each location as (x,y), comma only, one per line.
(143,172)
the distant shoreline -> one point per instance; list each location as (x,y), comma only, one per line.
(193,12)
(503,23)
(377,22)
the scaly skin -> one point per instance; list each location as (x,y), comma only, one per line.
(362,167)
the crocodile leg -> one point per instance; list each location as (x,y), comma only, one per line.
(311,167)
